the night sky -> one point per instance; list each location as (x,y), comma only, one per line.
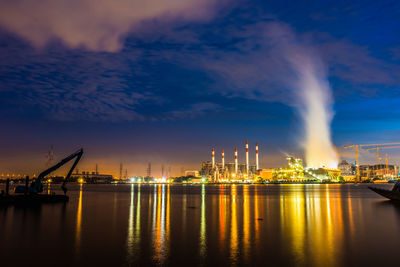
(166,81)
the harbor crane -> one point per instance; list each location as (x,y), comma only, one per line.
(37,186)
(357,148)
(386,158)
(377,151)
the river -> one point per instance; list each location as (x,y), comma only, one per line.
(213,225)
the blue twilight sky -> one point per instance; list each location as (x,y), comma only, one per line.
(166,81)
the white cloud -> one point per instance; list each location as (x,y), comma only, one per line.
(98,25)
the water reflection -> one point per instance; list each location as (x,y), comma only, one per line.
(222,217)
(133,236)
(203,237)
(78,223)
(161,223)
(137,226)
(216,225)
(234,228)
(48,187)
(246,223)
(130,237)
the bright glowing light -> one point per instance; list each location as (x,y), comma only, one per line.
(312,89)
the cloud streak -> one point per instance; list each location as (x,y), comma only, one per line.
(97,25)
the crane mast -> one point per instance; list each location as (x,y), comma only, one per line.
(377,151)
(369,147)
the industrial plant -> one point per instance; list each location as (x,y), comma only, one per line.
(295,171)
(230,171)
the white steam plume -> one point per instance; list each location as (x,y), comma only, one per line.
(315,95)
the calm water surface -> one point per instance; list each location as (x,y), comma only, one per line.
(275,225)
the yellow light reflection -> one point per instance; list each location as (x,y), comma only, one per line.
(78,222)
(48,186)
(157,240)
(312,225)
(162,221)
(203,248)
(234,230)
(167,223)
(137,226)
(222,217)
(256,216)
(246,222)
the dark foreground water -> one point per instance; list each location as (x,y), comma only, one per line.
(274,225)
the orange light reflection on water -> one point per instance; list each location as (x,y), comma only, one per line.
(78,223)
(234,231)
(311,222)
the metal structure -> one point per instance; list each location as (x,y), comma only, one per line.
(223,160)
(370,146)
(236,161)
(257,165)
(247,156)
(149,170)
(386,158)
(37,186)
(213,158)
(377,151)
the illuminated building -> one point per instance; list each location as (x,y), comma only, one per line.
(346,168)
(293,171)
(192,173)
(378,171)
(92,177)
(265,174)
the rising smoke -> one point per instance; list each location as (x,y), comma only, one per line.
(317,116)
(315,95)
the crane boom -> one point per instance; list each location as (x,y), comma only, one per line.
(37,187)
(357,147)
(377,151)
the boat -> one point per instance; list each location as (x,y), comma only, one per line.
(27,195)
(393,194)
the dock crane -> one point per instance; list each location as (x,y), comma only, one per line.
(37,186)
(357,147)
(386,158)
(377,151)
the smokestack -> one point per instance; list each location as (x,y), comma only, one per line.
(223,160)
(247,156)
(213,158)
(236,161)
(257,166)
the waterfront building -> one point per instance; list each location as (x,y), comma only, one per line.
(293,171)
(92,177)
(378,171)
(265,174)
(347,169)
(192,173)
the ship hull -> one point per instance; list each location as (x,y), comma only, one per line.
(392,195)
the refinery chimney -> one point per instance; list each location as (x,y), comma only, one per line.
(236,161)
(257,166)
(223,160)
(213,158)
(247,156)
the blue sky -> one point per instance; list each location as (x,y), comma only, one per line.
(180,79)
